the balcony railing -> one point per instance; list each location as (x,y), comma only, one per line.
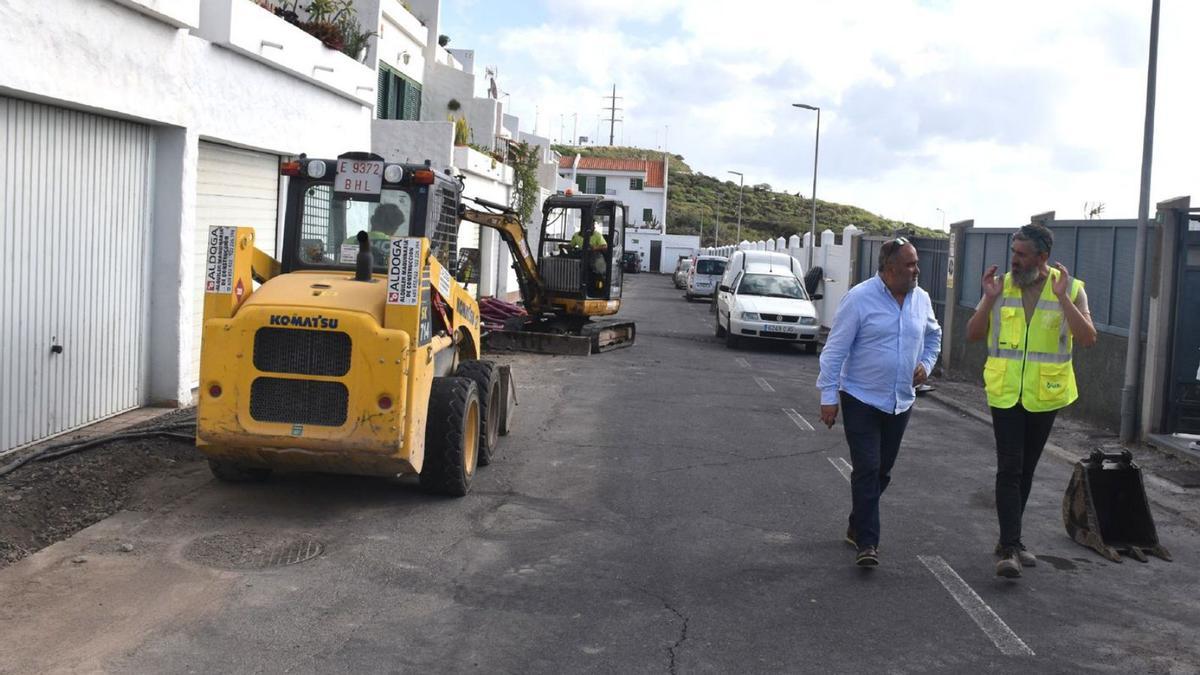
(244,27)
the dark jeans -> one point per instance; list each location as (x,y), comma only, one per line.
(1020,437)
(874,439)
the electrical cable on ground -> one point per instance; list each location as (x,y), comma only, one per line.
(52,452)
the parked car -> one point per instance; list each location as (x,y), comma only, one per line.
(681,270)
(705,276)
(631,262)
(762,296)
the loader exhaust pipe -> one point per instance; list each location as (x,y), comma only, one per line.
(364,261)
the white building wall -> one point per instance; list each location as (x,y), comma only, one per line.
(487,179)
(673,246)
(108,58)
(414,142)
(835,261)
(401,41)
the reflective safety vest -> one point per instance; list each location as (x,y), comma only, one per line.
(1030,362)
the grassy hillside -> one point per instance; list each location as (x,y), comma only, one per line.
(694,198)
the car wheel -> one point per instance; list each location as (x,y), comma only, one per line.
(720,329)
(811,347)
(689,296)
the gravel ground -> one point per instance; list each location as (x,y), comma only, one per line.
(44,502)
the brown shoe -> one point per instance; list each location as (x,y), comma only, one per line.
(1009,565)
(868,556)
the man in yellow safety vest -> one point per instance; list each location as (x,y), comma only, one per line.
(1031,318)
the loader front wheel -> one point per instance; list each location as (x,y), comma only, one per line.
(451,436)
(487,380)
(236,473)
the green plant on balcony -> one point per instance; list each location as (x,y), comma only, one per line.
(333,22)
(523,158)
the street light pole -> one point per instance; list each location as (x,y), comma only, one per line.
(1129,391)
(816,148)
(741,185)
(943,219)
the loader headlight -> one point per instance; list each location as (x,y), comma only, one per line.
(393,173)
(317,169)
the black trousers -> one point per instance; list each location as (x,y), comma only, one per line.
(874,439)
(1020,438)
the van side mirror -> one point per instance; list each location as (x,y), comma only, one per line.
(723,288)
(817,296)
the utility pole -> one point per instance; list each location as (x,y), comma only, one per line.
(575,129)
(1129,391)
(612,118)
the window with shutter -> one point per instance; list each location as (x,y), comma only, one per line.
(412,101)
(600,185)
(381,89)
(635,184)
(581,181)
(647,215)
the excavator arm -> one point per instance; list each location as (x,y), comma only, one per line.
(506,221)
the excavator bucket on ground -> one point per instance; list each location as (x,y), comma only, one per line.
(1105,508)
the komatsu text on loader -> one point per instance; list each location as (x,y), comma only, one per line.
(360,351)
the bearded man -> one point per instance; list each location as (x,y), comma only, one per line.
(1032,317)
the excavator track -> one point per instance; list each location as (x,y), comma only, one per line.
(554,337)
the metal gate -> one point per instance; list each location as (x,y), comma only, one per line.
(934,255)
(74,212)
(656,256)
(1183,395)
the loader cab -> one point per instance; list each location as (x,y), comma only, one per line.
(330,200)
(580,248)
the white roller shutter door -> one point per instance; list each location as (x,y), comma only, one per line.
(238,188)
(74,215)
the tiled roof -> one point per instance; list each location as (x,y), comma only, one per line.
(652,168)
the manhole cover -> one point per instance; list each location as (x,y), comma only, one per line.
(252,551)
(1187,479)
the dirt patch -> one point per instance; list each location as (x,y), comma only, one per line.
(45,502)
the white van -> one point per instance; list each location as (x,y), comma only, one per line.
(762,295)
(705,275)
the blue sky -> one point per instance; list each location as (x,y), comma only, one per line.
(990,111)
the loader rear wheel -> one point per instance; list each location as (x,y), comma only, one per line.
(237,473)
(487,380)
(451,436)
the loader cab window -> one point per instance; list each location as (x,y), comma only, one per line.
(329,227)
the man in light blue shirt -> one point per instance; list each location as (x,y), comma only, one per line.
(884,342)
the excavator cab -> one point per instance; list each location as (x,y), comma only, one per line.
(582,239)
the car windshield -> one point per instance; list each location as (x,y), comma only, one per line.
(710,267)
(772,286)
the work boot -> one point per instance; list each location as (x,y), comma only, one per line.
(868,556)
(1009,565)
(1027,559)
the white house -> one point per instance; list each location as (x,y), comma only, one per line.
(641,184)
(129,127)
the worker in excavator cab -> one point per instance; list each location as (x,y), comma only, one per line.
(599,247)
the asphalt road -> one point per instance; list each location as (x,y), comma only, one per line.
(656,509)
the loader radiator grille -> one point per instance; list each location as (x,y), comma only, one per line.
(302,352)
(274,399)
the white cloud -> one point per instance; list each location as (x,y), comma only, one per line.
(987,110)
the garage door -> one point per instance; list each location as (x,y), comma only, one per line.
(233,187)
(74,220)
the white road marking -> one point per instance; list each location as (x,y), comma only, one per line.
(992,625)
(798,419)
(742,362)
(764,385)
(843,467)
